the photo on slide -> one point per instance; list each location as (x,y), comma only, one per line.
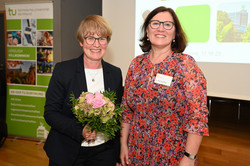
(233,22)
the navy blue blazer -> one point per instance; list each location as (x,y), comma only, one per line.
(64,140)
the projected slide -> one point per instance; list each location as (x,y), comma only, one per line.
(217,30)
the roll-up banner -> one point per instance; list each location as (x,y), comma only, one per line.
(29,67)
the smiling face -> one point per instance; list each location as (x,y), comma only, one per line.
(94,52)
(160,37)
(10,38)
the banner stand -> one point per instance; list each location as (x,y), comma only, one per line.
(29,68)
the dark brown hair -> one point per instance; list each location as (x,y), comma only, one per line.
(180,37)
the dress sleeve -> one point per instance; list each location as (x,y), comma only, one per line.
(128,113)
(195,90)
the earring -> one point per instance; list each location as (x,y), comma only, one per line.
(173,40)
(147,39)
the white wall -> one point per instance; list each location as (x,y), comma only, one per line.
(121,15)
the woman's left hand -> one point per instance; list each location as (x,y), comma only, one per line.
(185,161)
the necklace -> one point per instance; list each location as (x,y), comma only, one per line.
(92,73)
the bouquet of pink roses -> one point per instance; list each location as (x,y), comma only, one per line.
(98,111)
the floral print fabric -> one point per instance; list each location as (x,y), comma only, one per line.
(161,116)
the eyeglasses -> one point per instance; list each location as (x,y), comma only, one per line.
(155,24)
(91,40)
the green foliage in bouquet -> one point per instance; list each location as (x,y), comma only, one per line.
(98,111)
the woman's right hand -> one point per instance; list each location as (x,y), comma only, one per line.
(124,155)
(87,134)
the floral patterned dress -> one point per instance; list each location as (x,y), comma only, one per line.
(161,116)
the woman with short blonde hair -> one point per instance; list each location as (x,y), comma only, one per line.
(69,143)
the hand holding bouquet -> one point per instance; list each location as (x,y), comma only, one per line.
(98,111)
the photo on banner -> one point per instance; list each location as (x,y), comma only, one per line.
(29,67)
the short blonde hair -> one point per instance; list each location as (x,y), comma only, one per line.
(94,24)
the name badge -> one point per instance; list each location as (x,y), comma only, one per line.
(163,79)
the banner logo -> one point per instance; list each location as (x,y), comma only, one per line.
(12,12)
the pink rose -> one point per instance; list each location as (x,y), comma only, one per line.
(89,97)
(98,95)
(97,102)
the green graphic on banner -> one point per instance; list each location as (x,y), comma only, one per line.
(29,67)
(43,24)
(14,24)
(43,80)
(24,53)
(25,111)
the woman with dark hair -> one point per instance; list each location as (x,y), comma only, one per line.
(165,98)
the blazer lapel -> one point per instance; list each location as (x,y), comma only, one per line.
(81,78)
(106,75)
